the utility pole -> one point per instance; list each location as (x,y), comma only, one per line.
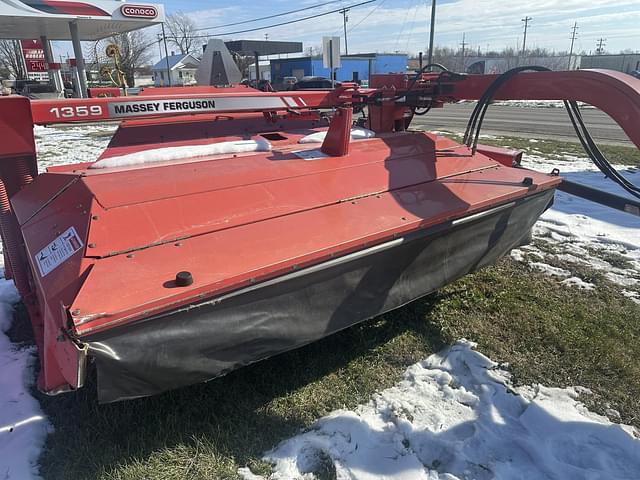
(166,54)
(345,19)
(526,21)
(463,45)
(574,34)
(601,44)
(160,45)
(432,31)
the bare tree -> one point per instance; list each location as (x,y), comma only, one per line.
(244,63)
(11,58)
(134,51)
(181,31)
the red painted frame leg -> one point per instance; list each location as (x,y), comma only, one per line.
(336,143)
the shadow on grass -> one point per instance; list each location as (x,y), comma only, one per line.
(239,416)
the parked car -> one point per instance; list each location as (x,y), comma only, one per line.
(313,83)
(39,91)
(635,73)
(288,83)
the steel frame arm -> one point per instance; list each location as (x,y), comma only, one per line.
(615,93)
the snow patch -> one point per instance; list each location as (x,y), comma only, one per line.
(455,416)
(578,282)
(584,233)
(23,426)
(550,270)
(635,296)
(65,144)
(517,255)
(357,133)
(167,154)
(538,103)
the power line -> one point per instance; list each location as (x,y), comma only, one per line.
(601,44)
(312,7)
(404,24)
(368,15)
(413,24)
(283,23)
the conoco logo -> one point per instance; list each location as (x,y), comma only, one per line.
(139,11)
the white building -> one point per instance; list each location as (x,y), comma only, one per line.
(265,70)
(182,69)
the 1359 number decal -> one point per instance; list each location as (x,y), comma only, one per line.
(77,111)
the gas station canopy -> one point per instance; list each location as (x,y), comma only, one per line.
(95,19)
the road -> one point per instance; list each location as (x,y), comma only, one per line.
(530,122)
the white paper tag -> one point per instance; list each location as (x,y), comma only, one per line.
(54,254)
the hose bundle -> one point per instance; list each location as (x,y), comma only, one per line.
(472,132)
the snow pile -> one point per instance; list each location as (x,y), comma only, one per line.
(577,232)
(23,426)
(167,154)
(357,133)
(454,416)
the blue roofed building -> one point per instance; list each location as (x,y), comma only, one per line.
(181,69)
(356,67)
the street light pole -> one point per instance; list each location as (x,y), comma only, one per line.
(432,31)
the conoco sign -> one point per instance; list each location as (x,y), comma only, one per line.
(139,11)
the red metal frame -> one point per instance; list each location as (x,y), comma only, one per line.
(47,112)
(225,220)
(612,92)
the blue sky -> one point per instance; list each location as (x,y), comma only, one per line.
(402,24)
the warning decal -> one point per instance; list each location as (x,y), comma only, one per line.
(54,254)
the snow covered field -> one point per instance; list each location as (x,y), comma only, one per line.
(454,415)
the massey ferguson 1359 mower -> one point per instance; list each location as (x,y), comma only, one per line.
(213,233)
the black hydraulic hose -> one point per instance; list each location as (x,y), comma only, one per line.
(472,132)
(477,116)
(416,77)
(594,152)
